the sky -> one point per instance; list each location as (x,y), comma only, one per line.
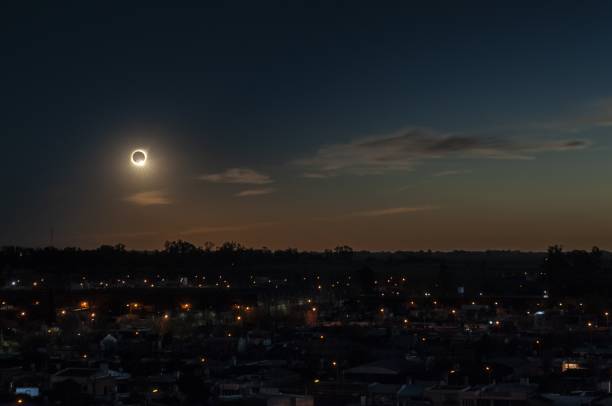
(378,125)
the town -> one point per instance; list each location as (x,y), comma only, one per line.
(228,325)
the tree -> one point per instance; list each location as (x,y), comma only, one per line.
(344,252)
(575,273)
(180,247)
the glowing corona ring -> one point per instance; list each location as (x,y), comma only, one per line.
(139,157)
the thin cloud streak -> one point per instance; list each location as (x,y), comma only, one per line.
(255,192)
(592,115)
(115,236)
(150,198)
(228,228)
(244,176)
(388,211)
(451,173)
(314,175)
(392,211)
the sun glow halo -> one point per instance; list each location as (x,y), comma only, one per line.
(139,157)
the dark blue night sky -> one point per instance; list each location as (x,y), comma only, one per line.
(381,125)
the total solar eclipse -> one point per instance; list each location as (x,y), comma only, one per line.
(139,157)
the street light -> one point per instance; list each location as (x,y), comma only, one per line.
(489,371)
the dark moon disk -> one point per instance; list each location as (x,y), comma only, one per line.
(138,157)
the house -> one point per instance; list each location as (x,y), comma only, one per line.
(290,400)
(393,370)
(395,395)
(573,399)
(505,394)
(96,383)
(446,395)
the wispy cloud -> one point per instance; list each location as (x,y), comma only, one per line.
(150,198)
(315,175)
(255,192)
(392,211)
(451,172)
(387,211)
(599,114)
(226,228)
(238,175)
(116,236)
(405,149)
(595,114)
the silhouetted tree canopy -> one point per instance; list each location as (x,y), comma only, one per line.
(576,272)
